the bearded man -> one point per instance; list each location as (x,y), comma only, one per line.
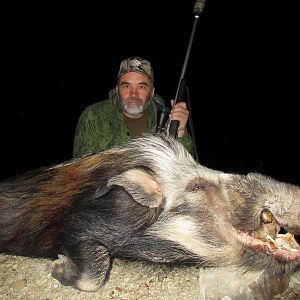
(130,111)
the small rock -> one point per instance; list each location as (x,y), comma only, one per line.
(18,284)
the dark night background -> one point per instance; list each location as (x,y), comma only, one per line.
(243,76)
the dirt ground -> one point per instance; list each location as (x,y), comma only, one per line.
(25,278)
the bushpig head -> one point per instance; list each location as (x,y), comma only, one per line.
(249,220)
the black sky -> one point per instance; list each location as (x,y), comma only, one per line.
(243,76)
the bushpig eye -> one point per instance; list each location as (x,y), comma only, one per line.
(195,188)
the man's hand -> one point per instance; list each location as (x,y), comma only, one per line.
(179,113)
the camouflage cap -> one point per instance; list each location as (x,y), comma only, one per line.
(136,64)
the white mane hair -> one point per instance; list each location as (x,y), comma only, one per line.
(170,160)
(165,154)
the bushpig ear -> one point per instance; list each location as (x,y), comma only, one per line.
(142,187)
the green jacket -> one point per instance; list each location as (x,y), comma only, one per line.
(101,126)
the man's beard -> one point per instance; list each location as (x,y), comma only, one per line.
(134,106)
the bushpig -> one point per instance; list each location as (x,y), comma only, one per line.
(148,200)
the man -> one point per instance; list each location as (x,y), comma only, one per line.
(129,112)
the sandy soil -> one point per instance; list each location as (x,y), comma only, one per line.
(25,278)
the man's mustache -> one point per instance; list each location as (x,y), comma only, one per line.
(134,100)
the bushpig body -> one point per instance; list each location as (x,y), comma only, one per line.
(148,200)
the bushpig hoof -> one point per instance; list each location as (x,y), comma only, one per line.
(66,272)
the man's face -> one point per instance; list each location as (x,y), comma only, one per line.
(135,91)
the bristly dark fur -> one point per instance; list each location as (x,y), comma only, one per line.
(148,200)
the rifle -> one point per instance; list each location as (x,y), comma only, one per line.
(182,87)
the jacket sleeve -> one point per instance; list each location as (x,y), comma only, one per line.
(187,142)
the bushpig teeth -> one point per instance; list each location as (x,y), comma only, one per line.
(287,242)
(266,216)
(269,228)
(271,240)
(283,242)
